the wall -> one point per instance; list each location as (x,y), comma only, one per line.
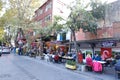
(113,12)
(42,16)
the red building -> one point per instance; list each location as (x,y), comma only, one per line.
(44,15)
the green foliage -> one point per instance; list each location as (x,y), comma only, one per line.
(98,9)
(1,33)
(71,62)
(57,25)
(1,4)
(81,18)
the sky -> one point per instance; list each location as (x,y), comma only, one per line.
(5,6)
(109,1)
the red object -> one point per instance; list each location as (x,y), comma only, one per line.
(56,57)
(80,57)
(106,53)
(89,61)
(97,67)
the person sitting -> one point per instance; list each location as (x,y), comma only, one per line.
(89,62)
(96,57)
(56,58)
(117,68)
(117,56)
(74,56)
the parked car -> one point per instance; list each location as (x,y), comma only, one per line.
(0,50)
(0,54)
(4,50)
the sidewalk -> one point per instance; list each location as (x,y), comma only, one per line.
(109,73)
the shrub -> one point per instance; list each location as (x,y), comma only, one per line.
(71,62)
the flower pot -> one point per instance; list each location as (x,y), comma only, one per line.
(70,66)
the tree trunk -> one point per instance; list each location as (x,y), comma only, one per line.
(75,45)
(74,40)
(19,31)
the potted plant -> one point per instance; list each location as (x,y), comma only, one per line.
(70,64)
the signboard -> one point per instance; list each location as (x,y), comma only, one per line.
(108,44)
(106,53)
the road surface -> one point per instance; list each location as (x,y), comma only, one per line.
(15,67)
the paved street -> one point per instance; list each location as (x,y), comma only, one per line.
(14,67)
(20,68)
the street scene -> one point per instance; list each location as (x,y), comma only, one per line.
(59,39)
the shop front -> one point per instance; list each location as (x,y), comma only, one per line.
(106,45)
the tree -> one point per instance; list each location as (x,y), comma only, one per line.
(80,18)
(19,14)
(98,9)
(1,3)
(52,28)
(24,11)
(57,25)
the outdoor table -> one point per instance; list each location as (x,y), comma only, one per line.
(102,62)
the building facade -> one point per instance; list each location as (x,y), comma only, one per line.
(44,15)
(107,34)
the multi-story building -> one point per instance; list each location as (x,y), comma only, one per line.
(50,8)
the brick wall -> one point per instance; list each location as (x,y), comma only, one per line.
(105,32)
(116,29)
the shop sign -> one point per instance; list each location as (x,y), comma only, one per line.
(108,44)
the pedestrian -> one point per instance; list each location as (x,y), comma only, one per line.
(80,57)
(20,51)
(89,61)
(14,49)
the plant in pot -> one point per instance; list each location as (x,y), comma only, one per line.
(71,64)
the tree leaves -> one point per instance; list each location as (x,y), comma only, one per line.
(1,5)
(98,9)
(81,18)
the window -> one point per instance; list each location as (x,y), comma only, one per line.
(47,18)
(48,6)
